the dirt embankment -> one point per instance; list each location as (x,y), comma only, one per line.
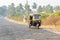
(53,23)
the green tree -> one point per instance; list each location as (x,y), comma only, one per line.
(39,10)
(57,8)
(49,9)
(3,10)
(20,9)
(34,6)
(27,8)
(44,9)
(17,10)
(11,9)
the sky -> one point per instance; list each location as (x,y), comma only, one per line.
(39,2)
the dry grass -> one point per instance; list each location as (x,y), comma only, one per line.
(17,18)
(52,22)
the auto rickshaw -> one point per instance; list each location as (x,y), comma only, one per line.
(35,20)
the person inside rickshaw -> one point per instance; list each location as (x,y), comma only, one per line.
(31,17)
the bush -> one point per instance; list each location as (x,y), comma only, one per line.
(57,13)
(44,15)
(17,17)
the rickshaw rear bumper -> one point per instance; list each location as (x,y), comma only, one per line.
(34,23)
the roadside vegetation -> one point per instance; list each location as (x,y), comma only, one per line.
(50,15)
(17,17)
(52,21)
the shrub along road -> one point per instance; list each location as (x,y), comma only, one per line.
(13,31)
